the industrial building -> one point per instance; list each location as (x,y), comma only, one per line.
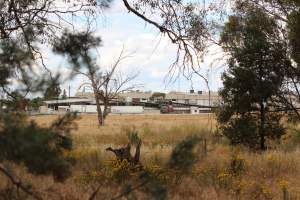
(199,98)
(137,102)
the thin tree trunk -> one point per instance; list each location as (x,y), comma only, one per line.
(262,126)
(262,109)
(105,112)
(99,111)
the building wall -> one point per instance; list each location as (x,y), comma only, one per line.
(113,109)
(195,110)
(85,108)
(127,109)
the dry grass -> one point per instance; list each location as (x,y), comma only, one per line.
(158,132)
(263,175)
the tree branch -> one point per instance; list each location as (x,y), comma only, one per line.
(18,183)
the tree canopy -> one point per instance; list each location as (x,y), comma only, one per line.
(256,74)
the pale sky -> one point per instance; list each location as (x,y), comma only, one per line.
(151,54)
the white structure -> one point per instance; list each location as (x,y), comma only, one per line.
(85,108)
(113,109)
(69,101)
(195,110)
(63,108)
(127,110)
(84,102)
(200,98)
(136,96)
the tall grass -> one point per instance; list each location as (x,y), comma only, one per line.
(221,172)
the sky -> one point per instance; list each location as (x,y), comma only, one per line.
(151,54)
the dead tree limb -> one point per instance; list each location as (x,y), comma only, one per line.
(123,153)
(142,184)
(18,183)
(94,194)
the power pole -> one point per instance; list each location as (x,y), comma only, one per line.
(69,91)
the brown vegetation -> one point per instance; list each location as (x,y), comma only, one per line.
(221,172)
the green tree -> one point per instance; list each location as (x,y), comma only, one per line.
(22,141)
(294,32)
(255,77)
(40,150)
(53,91)
(287,14)
(35,103)
(64,95)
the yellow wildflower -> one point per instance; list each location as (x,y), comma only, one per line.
(283,184)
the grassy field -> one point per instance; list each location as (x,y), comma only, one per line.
(221,172)
(159,132)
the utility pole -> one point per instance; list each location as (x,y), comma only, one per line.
(69,91)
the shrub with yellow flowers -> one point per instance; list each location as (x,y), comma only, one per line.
(260,191)
(237,165)
(284,185)
(120,170)
(225,180)
(162,174)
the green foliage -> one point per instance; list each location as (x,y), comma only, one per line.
(237,165)
(53,91)
(133,137)
(183,156)
(35,103)
(154,186)
(16,63)
(16,102)
(64,95)
(39,149)
(294,32)
(12,57)
(24,26)
(77,47)
(80,49)
(242,130)
(254,79)
(291,141)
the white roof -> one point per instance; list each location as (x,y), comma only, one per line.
(75,100)
(133,94)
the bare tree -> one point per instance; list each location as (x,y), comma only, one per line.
(106,83)
(115,82)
